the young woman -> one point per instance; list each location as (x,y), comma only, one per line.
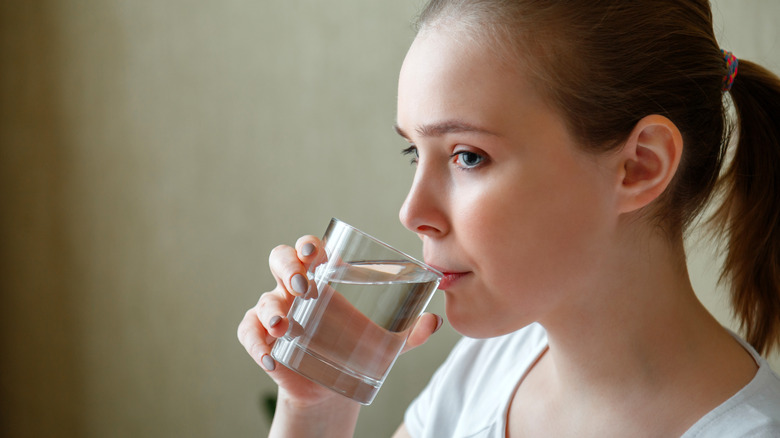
(562,150)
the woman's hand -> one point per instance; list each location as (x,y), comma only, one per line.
(267,321)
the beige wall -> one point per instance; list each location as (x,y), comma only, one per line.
(151,155)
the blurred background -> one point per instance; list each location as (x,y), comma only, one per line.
(152,154)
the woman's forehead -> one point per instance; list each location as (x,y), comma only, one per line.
(447,77)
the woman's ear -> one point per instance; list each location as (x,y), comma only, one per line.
(648,162)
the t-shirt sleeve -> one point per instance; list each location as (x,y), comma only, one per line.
(469,393)
(420,410)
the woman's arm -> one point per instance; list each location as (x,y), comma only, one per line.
(401,432)
(331,419)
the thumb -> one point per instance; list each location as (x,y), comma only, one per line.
(427,324)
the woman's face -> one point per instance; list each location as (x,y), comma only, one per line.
(505,203)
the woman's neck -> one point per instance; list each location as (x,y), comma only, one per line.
(642,335)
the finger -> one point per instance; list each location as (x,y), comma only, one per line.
(427,324)
(252,336)
(310,251)
(271,311)
(288,270)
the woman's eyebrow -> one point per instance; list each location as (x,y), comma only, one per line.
(445,127)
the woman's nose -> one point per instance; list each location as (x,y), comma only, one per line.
(423,210)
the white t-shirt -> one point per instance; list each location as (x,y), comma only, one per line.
(470,393)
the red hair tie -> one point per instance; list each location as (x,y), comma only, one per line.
(731,65)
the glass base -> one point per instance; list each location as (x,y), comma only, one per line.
(332,376)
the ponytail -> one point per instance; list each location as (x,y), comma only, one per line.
(749,217)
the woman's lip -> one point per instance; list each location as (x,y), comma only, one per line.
(450,278)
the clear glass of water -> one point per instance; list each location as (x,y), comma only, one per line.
(364,298)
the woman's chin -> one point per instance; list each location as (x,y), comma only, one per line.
(469,322)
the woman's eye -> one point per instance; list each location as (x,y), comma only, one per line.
(467,159)
(411,151)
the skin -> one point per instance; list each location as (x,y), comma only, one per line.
(528,227)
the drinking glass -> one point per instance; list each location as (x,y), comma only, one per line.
(348,329)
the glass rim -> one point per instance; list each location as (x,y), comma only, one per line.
(385,245)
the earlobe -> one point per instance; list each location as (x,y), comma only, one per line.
(648,161)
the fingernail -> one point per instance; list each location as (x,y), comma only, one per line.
(439,323)
(299,284)
(307,249)
(274,321)
(268,362)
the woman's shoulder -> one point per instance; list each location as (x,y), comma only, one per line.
(754,411)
